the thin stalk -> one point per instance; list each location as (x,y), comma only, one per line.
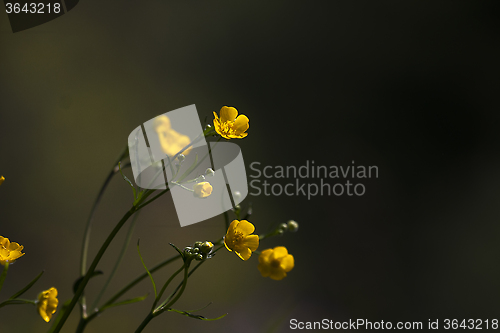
(16,301)
(92,268)
(4,274)
(118,262)
(144,323)
(165,287)
(88,227)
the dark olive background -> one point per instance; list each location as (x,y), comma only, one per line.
(411,87)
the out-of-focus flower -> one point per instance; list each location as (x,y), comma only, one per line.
(202,190)
(9,251)
(1,179)
(230,125)
(171,141)
(47,303)
(275,263)
(239,239)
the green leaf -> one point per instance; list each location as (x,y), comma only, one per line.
(185,313)
(177,249)
(147,270)
(128,301)
(25,289)
(77,282)
(127,180)
(57,319)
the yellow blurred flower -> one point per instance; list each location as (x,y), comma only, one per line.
(9,252)
(229,126)
(171,141)
(202,190)
(47,303)
(275,263)
(1,179)
(239,239)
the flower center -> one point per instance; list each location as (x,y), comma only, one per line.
(238,237)
(275,263)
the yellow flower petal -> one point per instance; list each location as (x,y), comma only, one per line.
(252,242)
(245,227)
(287,263)
(279,252)
(228,114)
(240,124)
(2,179)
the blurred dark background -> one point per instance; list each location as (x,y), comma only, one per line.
(411,87)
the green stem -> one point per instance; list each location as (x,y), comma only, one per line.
(139,279)
(144,323)
(92,268)
(88,227)
(164,306)
(16,301)
(4,274)
(165,287)
(118,262)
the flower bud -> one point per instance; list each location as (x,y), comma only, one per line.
(206,247)
(181,158)
(202,190)
(209,172)
(283,227)
(199,257)
(292,226)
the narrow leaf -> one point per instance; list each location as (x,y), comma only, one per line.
(128,301)
(25,289)
(147,271)
(185,313)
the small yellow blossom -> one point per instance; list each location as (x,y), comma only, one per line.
(171,141)
(239,239)
(9,252)
(1,179)
(275,263)
(202,190)
(47,303)
(229,126)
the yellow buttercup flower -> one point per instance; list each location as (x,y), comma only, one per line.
(202,190)
(9,251)
(275,263)
(171,141)
(47,303)
(1,179)
(239,239)
(230,125)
